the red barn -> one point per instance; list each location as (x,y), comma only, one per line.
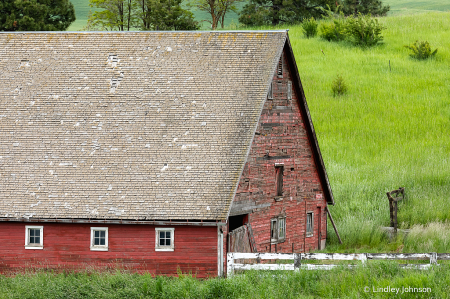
(143,150)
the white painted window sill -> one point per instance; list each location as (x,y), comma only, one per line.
(33,247)
(164,249)
(99,248)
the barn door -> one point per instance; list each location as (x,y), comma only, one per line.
(241,239)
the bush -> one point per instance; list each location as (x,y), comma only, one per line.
(339,86)
(333,30)
(421,50)
(363,31)
(310,27)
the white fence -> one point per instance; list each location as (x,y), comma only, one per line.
(297,259)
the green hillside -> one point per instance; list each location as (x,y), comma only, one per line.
(413,6)
(81,12)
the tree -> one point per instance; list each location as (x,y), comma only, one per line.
(140,14)
(36,15)
(115,15)
(217,9)
(274,12)
(165,15)
(373,7)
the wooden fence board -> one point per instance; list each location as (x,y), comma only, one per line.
(298,257)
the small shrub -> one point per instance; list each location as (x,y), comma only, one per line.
(421,50)
(310,27)
(363,31)
(333,30)
(339,86)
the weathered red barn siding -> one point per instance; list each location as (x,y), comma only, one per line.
(67,246)
(281,133)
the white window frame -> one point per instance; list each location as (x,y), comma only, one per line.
(310,234)
(158,247)
(29,245)
(275,226)
(99,247)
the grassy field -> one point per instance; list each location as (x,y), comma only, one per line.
(337,283)
(390,130)
(405,7)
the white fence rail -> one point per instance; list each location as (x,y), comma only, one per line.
(297,259)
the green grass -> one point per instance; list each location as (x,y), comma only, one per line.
(336,283)
(405,7)
(81,12)
(390,130)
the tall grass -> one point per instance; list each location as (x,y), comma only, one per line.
(337,283)
(390,130)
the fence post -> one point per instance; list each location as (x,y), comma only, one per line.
(297,261)
(433,258)
(230,264)
(363,259)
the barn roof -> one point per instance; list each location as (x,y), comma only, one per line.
(134,126)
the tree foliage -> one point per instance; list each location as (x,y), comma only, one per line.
(217,9)
(274,12)
(373,7)
(36,15)
(114,15)
(125,15)
(165,15)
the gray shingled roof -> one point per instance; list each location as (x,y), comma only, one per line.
(142,125)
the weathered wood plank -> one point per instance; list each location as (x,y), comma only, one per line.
(443,256)
(324,267)
(398,256)
(264,267)
(334,256)
(264,256)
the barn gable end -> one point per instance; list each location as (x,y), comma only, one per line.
(284,184)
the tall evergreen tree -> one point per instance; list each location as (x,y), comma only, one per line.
(36,15)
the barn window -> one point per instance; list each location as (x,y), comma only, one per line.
(164,239)
(279,169)
(309,224)
(278,229)
(34,237)
(99,238)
